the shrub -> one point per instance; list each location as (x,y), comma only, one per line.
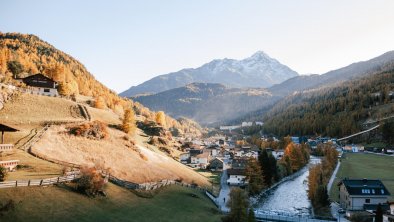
(10,205)
(91,182)
(3,173)
(143,156)
(15,67)
(93,130)
(99,103)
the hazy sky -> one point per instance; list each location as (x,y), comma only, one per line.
(124,43)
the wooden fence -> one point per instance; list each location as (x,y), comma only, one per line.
(35,138)
(41,182)
(115,180)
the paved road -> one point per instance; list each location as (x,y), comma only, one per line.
(334,206)
(224,195)
(333,176)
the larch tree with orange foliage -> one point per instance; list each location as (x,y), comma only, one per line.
(128,124)
(161,118)
(99,103)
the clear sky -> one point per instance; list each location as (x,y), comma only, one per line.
(125,43)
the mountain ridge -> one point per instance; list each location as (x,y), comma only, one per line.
(206,102)
(258,70)
(354,70)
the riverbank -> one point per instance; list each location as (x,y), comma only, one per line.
(288,196)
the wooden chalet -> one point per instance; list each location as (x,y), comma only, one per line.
(39,84)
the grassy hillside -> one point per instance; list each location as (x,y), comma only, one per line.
(360,165)
(140,163)
(59,204)
(137,164)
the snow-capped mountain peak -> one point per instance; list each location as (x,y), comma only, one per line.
(258,70)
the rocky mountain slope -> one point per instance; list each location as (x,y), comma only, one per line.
(207,102)
(259,70)
(378,64)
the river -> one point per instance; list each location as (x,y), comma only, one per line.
(289,198)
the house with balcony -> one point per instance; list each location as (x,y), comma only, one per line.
(39,84)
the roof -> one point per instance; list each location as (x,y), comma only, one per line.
(217,159)
(236,172)
(203,155)
(365,187)
(6,128)
(39,80)
(239,163)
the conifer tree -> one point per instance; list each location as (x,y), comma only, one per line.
(128,124)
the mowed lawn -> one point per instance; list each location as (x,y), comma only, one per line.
(363,165)
(174,203)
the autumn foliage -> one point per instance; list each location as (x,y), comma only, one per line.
(91,182)
(319,176)
(128,124)
(295,157)
(92,130)
(22,55)
(161,118)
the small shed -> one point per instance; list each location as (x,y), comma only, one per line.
(5,128)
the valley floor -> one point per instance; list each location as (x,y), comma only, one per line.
(54,203)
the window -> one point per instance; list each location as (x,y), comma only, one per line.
(367,200)
(46,90)
(382,191)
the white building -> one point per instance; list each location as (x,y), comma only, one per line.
(9,164)
(246,124)
(278,154)
(184,157)
(236,177)
(200,160)
(229,127)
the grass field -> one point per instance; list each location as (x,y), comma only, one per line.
(362,165)
(53,203)
(214,178)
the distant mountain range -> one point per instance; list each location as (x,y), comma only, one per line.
(210,103)
(303,82)
(207,102)
(259,70)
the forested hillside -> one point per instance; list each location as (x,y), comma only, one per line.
(208,102)
(380,63)
(22,55)
(334,111)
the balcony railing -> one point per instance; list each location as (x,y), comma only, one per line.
(6,147)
